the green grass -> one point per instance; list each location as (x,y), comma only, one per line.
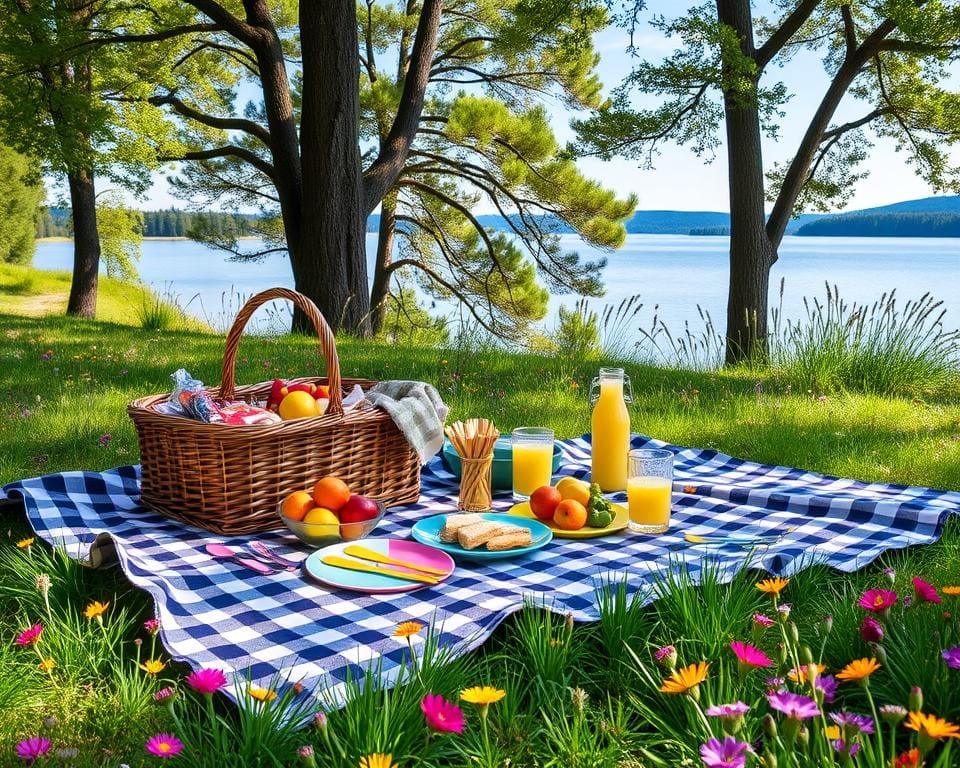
(64,386)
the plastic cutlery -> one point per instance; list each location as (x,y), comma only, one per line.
(354,565)
(744,540)
(261,549)
(365,553)
(221,552)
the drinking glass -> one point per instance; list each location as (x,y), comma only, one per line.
(532,460)
(649,484)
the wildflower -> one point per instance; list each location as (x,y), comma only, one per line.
(33,748)
(878,600)
(482,695)
(164,745)
(794,705)
(891,574)
(915,699)
(925,592)
(762,620)
(164,694)
(105,439)
(749,657)
(800,674)
(909,759)
(320,721)
(860,669)
(261,694)
(871,630)
(826,625)
(773,586)
(775,683)
(47,665)
(407,629)
(849,748)
(42,583)
(952,591)
(892,714)
(206,681)
(26,543)
(783,611)
(297,688)
(686,679)
(930,729)
(952,657)
(729,753)
(305,753)
(826,688)
(666,657)
(152,626)
(153,666)
(441,715)
(95,610)
(730,715)
(852,723)
(29,636)
(377,760)
(578,698)
(46,355)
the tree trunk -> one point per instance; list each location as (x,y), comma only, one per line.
(86,245)
(381,272)
(329,261)
(751,252)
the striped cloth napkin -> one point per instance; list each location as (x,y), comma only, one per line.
(416,409)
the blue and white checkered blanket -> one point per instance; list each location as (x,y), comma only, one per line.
(218,614)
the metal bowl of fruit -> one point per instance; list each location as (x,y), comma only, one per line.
(328,514)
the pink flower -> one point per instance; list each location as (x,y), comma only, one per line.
(32,748)
(762,620)
(728,711)
(30,636)
(749,656)
(666,656)
(164,745)
(871,630)
(105,439)
(878,600)
(152,626)
(163,694)
(441,715)
(925,592)
(206,681)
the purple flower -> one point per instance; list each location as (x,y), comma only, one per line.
(729,753)
(793,705)
(952,657)
(871,630)
(46,355)
(761,620)
(846,748)
(827,685)
(892,713)
(852,723)
(105,439)
(666,656)
(775,683)
(737,709)
(32,748)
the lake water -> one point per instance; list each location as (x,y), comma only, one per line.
(674,273)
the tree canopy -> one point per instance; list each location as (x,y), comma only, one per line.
(21,193)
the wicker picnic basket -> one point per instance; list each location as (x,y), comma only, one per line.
(229,479)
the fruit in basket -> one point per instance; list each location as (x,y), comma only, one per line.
(299,405)
(297,505)
(544,501)
(331,492)
(570,515)
(572,488)
(279,390)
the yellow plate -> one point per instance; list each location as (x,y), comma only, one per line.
(620,521)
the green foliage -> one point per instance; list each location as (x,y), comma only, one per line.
(120,231)
(21,193)
(407,322)
(578,333)
(906,224)
(55,222)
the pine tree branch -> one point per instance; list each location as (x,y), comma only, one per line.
(150,37)
(379,177)
(240,29)
(849,28)
(782,34)
(224,123)
(228,150)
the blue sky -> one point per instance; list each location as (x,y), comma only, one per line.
(683,181)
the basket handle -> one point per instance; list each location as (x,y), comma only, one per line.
(327,343)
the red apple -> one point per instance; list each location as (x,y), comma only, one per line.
(544,501)
(357,509)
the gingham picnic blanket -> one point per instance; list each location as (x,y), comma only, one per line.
(217,614)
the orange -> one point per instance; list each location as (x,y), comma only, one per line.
(571,488)
(298,405)
(297,504)
(331,492)
(570,515)
(321,516)
(352,531)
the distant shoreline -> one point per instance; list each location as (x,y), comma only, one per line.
(70,239)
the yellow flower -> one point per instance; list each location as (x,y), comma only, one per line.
(682,680)
(47,665)
(773,586)
(931,726)
(95,610)
(377,760)
(153,666)
(482,695)
(25,543)
(800,675)
(832,732)
(262,694)
(407,629)
(858,670)
(953,591)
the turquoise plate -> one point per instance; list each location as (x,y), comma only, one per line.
(427,531)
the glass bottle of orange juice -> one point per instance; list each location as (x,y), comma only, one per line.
(610,426)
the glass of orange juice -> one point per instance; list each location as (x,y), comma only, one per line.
(532,459)
(649,484)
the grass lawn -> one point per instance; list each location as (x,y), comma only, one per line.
(586,697)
